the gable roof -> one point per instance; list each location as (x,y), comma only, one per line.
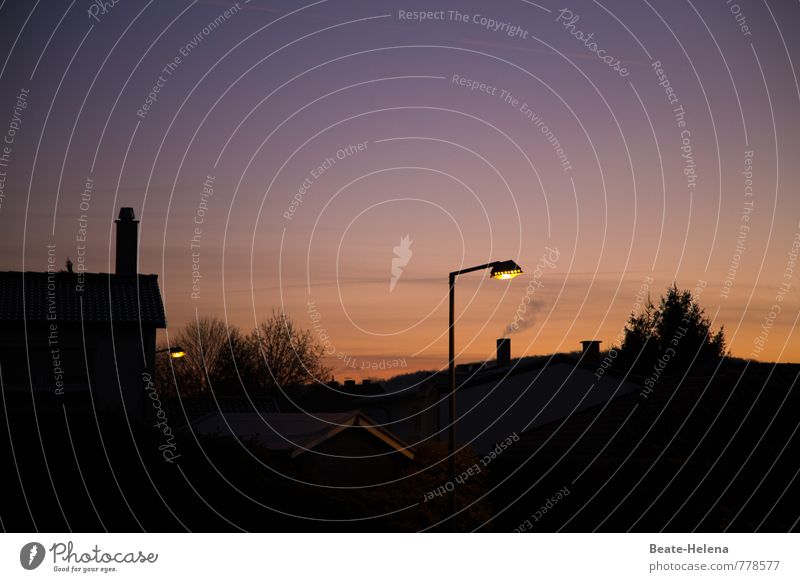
(89,297)
(296,433)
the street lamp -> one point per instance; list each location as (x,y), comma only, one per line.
(174,352)
(505,270)
(500,270)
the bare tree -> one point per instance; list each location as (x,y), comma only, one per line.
(277,354)
(210,347)
(281,355)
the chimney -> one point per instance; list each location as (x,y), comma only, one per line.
(127,242)
(591,351)
(503,351)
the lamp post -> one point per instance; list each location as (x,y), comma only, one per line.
(500,270)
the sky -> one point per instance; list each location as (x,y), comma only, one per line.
(337,159)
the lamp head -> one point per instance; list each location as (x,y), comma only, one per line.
(176,353)
(505,270)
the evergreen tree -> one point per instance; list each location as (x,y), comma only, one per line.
(676,332)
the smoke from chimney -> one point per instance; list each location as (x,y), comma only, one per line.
(524,318)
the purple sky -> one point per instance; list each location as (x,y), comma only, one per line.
(477,144)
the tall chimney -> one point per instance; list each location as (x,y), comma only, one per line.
(503,351)
(127,242)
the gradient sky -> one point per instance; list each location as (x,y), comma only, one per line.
(278,87)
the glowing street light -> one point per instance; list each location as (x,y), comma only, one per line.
(500,270)
(174,352)
(505,270)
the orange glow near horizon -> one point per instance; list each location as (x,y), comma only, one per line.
(343,177)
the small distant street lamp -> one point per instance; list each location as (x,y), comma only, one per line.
(500,270)
(174,352)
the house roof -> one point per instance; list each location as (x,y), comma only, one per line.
(496,402)
(190,409)
(600,422)
(89,297)
(295,433)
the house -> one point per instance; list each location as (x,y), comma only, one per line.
(78,338)
(700,453)
(495,400)
(334,448)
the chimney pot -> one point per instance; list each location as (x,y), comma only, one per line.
(591,351)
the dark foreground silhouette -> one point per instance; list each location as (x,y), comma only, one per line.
(711,454)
